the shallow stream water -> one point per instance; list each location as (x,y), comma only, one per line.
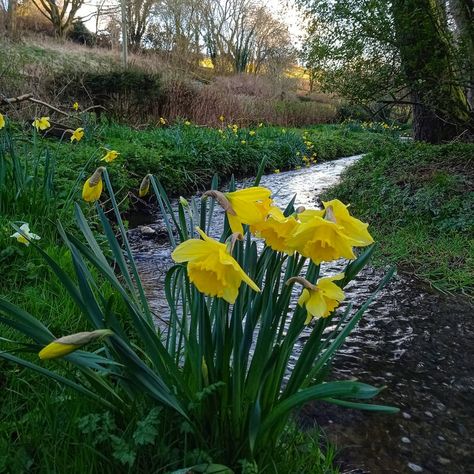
(417,343)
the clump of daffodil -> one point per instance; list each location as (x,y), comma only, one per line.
(92,188)
(144,186)
(2,121)
(67,344)
(322,239)
(75,106)
(319,300)
(211,267)
(353,227)
(110,156)
(245,206)
(24,236)
(276,230)
(41,123)
(77,135)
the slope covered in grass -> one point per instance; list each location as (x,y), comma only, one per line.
(419,200)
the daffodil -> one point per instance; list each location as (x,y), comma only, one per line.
(260,125)
(221,118)
(41,123)
(187,123)
(144,186)
(92,188)
(162,121)
(276,230)
(322,240)
(75,106)
(24,236)
(353,227)
(2,121)
(211,268)
(246,206)
(276,171)
(252,133)
(110,156)
(243,142)
(77,134)
(322,299)
(67,344)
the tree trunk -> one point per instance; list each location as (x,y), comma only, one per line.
(11,18)
(463,14)
(441,111)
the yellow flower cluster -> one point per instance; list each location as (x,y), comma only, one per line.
(320,235)
(2,121)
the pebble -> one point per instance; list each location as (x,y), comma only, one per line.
(428,413)
(406,415)
(443,461)
(406,440)
(441,438)
(145,230)
(414,467)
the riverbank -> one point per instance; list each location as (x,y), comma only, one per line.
(419,200)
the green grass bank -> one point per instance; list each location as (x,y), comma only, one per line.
(419,200)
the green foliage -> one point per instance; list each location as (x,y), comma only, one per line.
(421,203)
(227,398)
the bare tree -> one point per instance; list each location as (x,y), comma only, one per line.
(60,14)
(138,14)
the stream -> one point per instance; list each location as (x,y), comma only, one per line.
(417,343)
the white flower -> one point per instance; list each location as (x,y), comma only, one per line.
(25,235)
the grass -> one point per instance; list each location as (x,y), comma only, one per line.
(44,428)
(419,201)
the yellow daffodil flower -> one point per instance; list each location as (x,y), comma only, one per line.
(252,133)
(276,171)
(276,230)
(92,188)
(187,123)
(41,123)
(144,186)
(110,156)
(75,106)
(77,134)
(221,118)
(322,240)
(353,227)
(246,206)
(67,344)
(243,142)
(25,235)
(211,268)
(2,121)
(162,121)
(320,300)
(260,125)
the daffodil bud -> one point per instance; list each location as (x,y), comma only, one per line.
(144,186)
(205,372)
(183,201)
(96,176)
(67,344)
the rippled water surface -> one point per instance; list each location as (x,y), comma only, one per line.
(417,343)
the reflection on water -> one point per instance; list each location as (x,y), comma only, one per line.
(418,344)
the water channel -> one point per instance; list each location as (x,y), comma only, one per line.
(417,343)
